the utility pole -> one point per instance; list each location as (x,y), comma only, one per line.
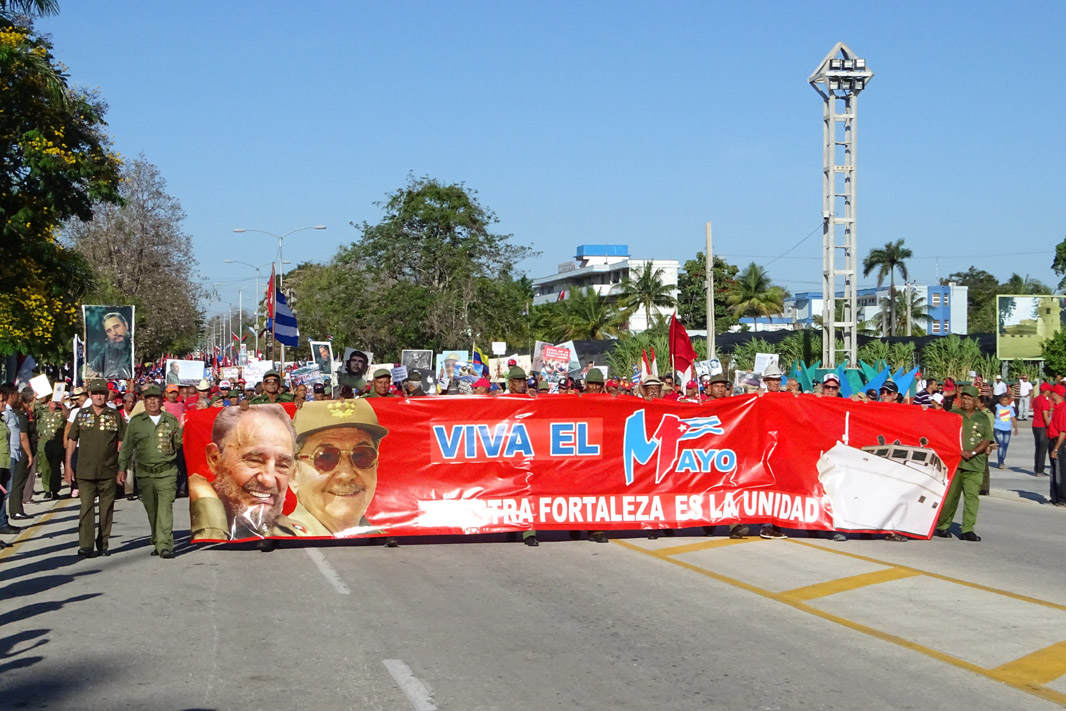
(710,295)
(907,306)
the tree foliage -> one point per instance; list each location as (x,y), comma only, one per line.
(982,288)
(643,289)
(584,316)
(1054,353)
(887,261)
(55,163)
(431,274)
(755,295)
(142,257)
(692,293)
(1058,264)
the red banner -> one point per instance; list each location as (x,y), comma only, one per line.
(454,465)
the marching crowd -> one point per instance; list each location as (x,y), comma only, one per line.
(124,438)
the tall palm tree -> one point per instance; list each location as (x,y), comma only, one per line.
(894,311)
(1024,285)
(887,261)
(587,316)
(643,288)
(29,7)
(756,295)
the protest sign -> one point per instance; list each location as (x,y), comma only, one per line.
(764,361)
(421,360)
(231,372)
(306,375)
(399,373)
(184,372)
(253,372)
(450,365)
(428,466)
(41,386)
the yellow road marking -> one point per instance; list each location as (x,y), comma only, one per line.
(1010,678)
(938,576)
(1040,667)
(852,582)
(10,551)
(693,547)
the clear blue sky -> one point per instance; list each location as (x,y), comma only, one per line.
(590,122)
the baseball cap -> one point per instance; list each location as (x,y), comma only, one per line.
(691,385)
(482,383)
(890,385)
(172,388)
(1059,390)
(830,378)
(224,385)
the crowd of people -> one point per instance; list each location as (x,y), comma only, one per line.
(113,438)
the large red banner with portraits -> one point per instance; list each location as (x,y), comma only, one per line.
(463,465)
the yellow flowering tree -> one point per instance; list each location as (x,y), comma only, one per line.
(55,162)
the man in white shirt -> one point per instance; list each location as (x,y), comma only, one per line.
(1025,390)
(1000,388)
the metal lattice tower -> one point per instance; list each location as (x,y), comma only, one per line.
(839,79)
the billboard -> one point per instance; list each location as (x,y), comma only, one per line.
(1024,323)
(439,466)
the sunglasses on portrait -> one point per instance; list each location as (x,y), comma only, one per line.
(326,458)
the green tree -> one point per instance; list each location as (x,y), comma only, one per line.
(887,261)
(1054,354)
(982,288)
(55,163)
(587,316)
(755,295)
(1058,264)
(1019,285)
(142,256)
(430,274)
(891,318)
(10,8)
(692,293)
(643,288)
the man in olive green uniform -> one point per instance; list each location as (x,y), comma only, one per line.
(382,383)
(976,438)
(154,437)
(517,385)
(51,418)
(97,431)
(271,391)
(594,386)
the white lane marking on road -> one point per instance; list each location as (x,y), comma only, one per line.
(328,571)
(411,686)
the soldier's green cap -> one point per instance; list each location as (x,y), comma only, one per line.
(97,385)
(327,414)
(719,378)
(969,390)
(595,375)
(152,391)
(543,386)
(516,373)
(382,373)
(271,374)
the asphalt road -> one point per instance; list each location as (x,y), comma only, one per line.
(689,622)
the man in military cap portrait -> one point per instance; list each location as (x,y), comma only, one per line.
(976,439)
(154,438)
(381,384)
(271,390)
(336,475)
(251,455)
(353,372)
(97,431)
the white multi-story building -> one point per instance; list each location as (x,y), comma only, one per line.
(603,267)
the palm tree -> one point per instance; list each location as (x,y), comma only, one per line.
(644,288)
(887,261)
(29,7)
(755,295)
(1024,285)
(895,312)
(587,316)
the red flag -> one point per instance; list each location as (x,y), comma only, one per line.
(271,288)
(681,350)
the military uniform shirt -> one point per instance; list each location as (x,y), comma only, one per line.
(49,425)
(356,383)
(264,400)
(98,437)
(156,446)
(975,429)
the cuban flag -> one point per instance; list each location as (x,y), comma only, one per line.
(283,322)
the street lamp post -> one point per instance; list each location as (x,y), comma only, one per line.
(281,265)
(237,261)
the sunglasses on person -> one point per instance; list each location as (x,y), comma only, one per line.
(830,387)
(326,458)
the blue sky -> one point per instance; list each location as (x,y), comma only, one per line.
(590,122)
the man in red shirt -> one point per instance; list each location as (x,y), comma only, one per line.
(1056,433)
(1041,406)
